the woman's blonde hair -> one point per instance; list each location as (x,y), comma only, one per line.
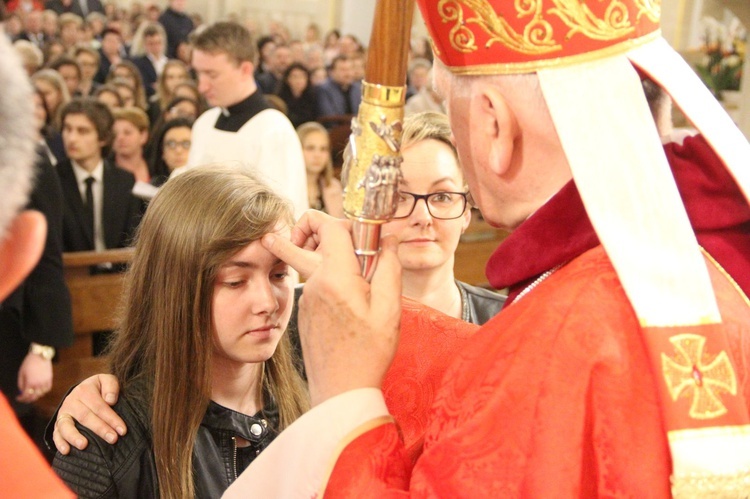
(135,115)
(53,78)
(138,90)
(165,340)
(429,125)
(163,95)
(306,129)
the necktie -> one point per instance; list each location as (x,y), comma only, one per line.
(88,205)
(84,7)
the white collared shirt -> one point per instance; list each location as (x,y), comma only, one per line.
(158,63)
(97,188)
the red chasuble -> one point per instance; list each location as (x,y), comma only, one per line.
(23,470)
(554,397)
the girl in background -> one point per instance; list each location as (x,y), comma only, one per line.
(126,70)
(131,134)
(175,72)
(323,188)
(171,147)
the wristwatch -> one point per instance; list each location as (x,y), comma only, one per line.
(44,351)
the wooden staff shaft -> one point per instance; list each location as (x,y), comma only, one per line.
(388,51)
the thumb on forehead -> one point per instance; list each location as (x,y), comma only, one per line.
(301,260)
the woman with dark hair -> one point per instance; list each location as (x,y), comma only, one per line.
(170,148)
(295,90)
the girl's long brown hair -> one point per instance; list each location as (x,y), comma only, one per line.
(165,343)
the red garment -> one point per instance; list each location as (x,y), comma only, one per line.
(23,470)
(14,5)
(560,230)
(556,396)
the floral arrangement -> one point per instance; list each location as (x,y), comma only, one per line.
(723,55)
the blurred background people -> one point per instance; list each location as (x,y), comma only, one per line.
(324,190)
(131,128)
(298,94)
(171,148)
(108,95)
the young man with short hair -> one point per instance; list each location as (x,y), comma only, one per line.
(153,60)
(100,210)
(243,128)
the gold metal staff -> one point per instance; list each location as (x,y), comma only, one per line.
(372,171)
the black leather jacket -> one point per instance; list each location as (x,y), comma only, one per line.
(127,469)
(478,305)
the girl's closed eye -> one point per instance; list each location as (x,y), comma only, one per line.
(232,284)
(280,273)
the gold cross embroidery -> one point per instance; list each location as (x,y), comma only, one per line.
(691,372)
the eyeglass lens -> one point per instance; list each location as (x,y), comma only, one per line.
(441,205)
(173,144)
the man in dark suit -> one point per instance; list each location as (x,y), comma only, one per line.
(100,210)
(36,318)
(152,62)
(111,52)
(339,94)
(177,25)
(32,29)
(78,7)
(280,60)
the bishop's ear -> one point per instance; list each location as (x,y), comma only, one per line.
(500,127)
(20,249)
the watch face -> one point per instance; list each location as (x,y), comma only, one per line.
(45,352)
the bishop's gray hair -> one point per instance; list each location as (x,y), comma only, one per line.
(16,134)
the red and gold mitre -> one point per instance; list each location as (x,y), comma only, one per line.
(521,36)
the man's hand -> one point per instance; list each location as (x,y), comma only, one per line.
(348,327)
(300,251)
(34,378)
(89,404)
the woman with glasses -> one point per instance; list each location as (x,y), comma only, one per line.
(170,148)
(433,211)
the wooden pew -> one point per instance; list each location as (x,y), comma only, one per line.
(474,249)
(95,301)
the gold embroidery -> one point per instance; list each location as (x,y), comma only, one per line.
(538,36)
(691,372)
(711,485)
(580,19)
(651,8)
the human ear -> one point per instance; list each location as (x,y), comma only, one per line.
(500,128)
(20,249)
(466,219)
(247,68)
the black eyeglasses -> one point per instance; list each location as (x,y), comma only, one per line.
(440,205)
(174,144)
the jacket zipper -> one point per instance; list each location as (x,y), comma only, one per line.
(234,461)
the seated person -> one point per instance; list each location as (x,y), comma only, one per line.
(205,367)
(100,212)
(324,190)
(171,146)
